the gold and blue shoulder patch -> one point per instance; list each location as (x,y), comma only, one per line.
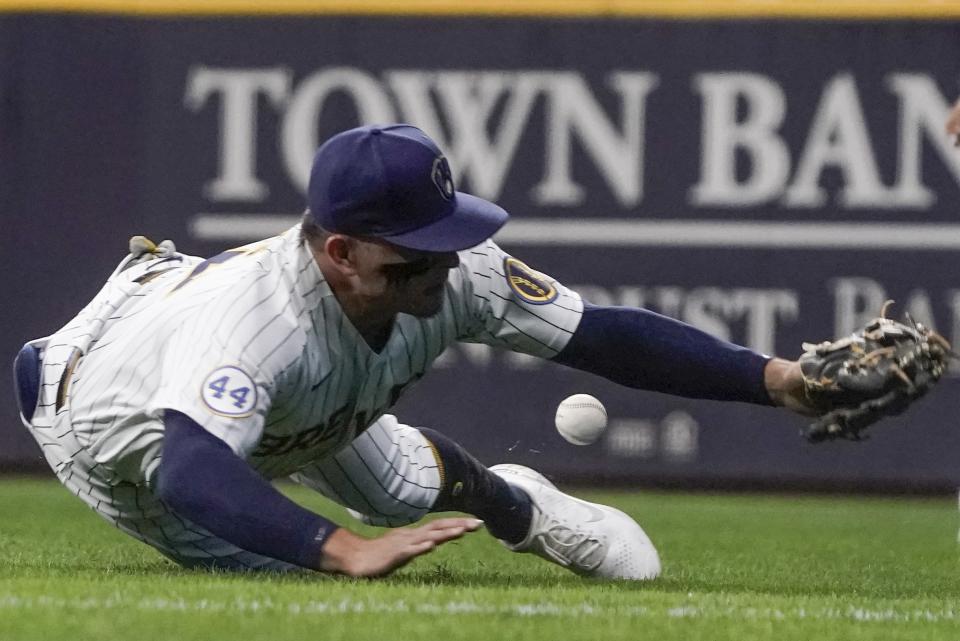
(529,285)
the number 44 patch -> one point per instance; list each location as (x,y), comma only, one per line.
(229,391)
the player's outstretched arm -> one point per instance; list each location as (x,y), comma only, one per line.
(645,350)
(204,481)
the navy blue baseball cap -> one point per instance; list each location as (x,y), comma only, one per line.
(392,182)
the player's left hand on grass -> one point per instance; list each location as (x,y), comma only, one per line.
(352,555)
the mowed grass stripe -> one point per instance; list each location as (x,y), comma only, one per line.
(688,608)
(735,567)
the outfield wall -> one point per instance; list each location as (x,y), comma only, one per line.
(771,177)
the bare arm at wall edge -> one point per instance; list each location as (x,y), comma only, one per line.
(953,123)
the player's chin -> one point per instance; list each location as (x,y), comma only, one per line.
(428,303)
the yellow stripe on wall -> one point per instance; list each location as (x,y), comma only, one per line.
(832,9)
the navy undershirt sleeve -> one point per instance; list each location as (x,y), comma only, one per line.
(645,350)
(204,481)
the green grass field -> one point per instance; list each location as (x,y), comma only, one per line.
(735,567)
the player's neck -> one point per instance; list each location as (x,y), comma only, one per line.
(373,325)
(373,322)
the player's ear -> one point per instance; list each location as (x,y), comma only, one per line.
(340,250)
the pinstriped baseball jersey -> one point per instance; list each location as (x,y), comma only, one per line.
(253,345)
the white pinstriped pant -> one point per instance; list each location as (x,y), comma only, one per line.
(389,474)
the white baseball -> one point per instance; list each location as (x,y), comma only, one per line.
(581,419)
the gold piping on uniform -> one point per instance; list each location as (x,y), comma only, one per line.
(436,455)
(64,385)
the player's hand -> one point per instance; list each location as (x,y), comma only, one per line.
(953,124)
(350,554)
(784,382)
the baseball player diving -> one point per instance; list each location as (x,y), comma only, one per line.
(175,396)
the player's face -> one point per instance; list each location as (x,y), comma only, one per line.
(405,280)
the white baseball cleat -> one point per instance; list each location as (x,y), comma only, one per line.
(589,539)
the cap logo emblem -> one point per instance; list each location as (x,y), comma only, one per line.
(440,174)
